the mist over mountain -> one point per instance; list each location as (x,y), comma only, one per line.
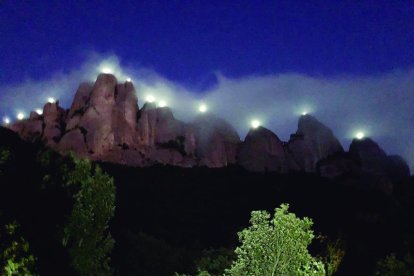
(379,105)
(104,123)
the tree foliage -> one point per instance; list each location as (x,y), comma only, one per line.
(15,256)
(87,235)
(215,261)
(276,246)
(333,255)
(391,266)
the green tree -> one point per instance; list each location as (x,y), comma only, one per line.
(391,266)
(15,257)
(87,233)
(215,261)
(333,255)
(276,246)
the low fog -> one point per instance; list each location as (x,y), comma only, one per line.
(381,106)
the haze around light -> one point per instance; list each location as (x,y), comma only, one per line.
(380,106)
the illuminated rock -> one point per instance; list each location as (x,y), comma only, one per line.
(158,128)
(217,141)
(124,116)
(263,151)
(53,117)
(74,141)
(106,112)
(29,130)
(373,159)
(312,142)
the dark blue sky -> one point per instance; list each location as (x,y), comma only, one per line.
(350,63)
(187,40)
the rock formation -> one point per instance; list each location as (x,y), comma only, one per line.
(262,150)
(217,141)
(312,142)
(104,123)
(373,159)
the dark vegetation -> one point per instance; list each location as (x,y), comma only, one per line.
(177,220)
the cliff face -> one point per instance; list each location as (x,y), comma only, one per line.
(312,142)
(373,159)
(217,141)
(262,150)
(105,123)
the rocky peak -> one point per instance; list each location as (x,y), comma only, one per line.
(47,127)
(262,150)
(103,116)
(217,141)
(53,117)
(312,142)
(361,148)
(374,160)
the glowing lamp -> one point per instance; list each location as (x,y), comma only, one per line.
(202,108)
(360,135)
(162,104)
(255,124)
(150,99)
(6,120)
(51,100)
(39,111)
(107,70)
(304,113)
(128,79)
(20,116)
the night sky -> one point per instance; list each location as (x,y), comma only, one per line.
(350,63)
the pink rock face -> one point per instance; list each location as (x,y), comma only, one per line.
(74,141)
(105,114)
(29,130)
(158,128)
(312,142)
(216,141)
(263,151)
(124,117)
(53,116)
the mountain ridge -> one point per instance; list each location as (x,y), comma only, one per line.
(104,123)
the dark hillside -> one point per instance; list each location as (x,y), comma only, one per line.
(166,216)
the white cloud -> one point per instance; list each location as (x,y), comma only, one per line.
(381,105)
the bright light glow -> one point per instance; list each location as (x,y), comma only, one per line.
(360,135)
(107,70)
(162,104)
(39,111)
(150,99)
(255,124)
(202,108)
(304,113)
(128,79)
(51,100)
(20,116)
(6,120)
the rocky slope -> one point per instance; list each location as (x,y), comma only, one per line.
(104,123)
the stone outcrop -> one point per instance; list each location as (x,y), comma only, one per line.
(103,116)
(216,141)
(262,151)
(312,142)
(104,123)
(47,127)
(373,159)
(338,164)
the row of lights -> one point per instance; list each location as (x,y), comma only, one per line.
(202,108)
(20,115)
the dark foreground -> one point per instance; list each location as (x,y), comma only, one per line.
(166,218)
